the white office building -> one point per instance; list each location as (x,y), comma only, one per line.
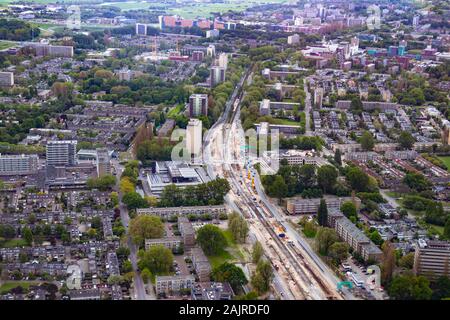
(18,164)
(61,153)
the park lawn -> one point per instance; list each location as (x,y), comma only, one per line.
(222,257)
(174,111)
(6,44)
(13,243)
(286,122)
(7,286)
(394,195)
(446,161)
(231,253)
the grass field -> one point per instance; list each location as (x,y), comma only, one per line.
(174,111)
(7,286)
(231,253)
(13,243)
(446,160)
(6,44)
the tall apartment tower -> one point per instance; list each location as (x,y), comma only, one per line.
(6,79)
(103,162)
(198,105)
(416,21)
(141,29)
(318,97)
(211,50)
(61,153)
(217,75)
(223,60)
(194,139)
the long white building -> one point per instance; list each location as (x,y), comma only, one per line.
(18,164)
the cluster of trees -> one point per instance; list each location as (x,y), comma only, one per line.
(154,150)
(238,227)
(155,261)
(358,180)
(145,227)
(406,140)
(17,30)
(367,141)
(128,181)
(27,117)
(232,274)
(417,181)
(209,193)
(146,89)
(262,277)
(102,183)
(305,180)
(328,244)
(410,287)
(211,239)
(302,143)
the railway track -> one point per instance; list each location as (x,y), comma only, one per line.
(262,217)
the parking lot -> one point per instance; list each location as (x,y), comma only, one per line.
(362,273)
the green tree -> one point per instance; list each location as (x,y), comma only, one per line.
(441,288)
(325,238)
(337,157)
(406,140)
(407,261)
(145,227)
(257,252)
(416,181)
(134,200)
(338,251)
(114,279)
(230,273)
(418,95)
(238,227)
(27,235)
(348,208)
(262,278)
(367,141)
(327,177)
(211,239)
(388,262)
(114,198)
(322,213)
(146,275)
(410,287)
(375,237)
(358,179)
(158,259)
(279,188)
(447,229)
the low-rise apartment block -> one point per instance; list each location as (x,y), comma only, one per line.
(201,264)
(310,206)
(353,236)
(18,164)
(187,231)
(168,242)
(169,284)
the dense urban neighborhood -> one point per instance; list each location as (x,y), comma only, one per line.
(225,150)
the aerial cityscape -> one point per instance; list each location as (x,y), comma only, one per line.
(225,150)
